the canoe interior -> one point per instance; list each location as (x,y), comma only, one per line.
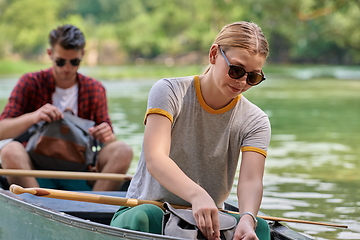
(98,216)
(100,213)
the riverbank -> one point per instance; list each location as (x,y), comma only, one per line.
(141,71)
(17,68)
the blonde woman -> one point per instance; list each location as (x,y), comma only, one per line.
(196,127)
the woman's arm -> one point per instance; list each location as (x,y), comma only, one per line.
(157,142)
(249,192)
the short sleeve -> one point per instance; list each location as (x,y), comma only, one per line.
(258,136)
(163,99)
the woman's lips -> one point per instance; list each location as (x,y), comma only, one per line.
(234,89)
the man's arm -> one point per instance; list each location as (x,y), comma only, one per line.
(13,127)
(103,130)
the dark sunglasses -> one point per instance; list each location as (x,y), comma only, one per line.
(237,72)
(61,62)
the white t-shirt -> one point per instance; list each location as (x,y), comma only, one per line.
(66,99)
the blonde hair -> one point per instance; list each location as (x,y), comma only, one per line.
(245,35)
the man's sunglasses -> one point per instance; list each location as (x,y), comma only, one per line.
(61,62)
(237,72)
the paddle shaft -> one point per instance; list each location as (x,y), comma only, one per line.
(279,219)
(129,202)
(85,197)
(65,174)
(301,221)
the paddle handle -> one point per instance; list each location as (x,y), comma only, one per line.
(65,174)
(86,197)
(129,202)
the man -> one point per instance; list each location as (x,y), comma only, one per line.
(45,95)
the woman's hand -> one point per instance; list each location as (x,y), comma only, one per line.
(245,229)
(207,217)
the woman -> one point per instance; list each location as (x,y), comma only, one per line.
(195,129)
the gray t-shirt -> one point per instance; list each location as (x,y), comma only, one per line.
(205,143)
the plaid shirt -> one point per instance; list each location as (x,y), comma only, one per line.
(34,90)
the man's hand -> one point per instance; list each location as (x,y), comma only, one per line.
(47,113)
(103,133)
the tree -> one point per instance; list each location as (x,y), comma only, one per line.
(315,31)
(26,24)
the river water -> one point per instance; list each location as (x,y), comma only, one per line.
(313,164)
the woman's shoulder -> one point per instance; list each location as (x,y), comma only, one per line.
(175,84)
(177,80)
(250,107)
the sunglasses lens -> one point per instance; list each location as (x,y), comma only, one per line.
(60,62)
(236,72)
(75,62)
(254,79)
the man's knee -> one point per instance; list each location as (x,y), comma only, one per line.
(12,150)
(124,149)
(117,150)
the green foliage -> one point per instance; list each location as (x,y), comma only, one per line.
(25,25)
(316,31)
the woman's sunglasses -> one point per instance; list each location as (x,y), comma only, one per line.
(237,72)
(61,62)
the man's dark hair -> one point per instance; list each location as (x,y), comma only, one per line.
(68,36)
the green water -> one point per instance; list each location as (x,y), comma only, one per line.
(313,164)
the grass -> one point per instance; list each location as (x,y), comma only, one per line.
(10,67)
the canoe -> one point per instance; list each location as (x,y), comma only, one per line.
(30,217)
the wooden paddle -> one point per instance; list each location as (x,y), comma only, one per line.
(129,202)
(65,174)
(85,197)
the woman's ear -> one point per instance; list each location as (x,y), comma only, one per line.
(213,53)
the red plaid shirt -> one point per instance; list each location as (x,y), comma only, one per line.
(33,90)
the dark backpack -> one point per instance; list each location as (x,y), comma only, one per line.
(63,145)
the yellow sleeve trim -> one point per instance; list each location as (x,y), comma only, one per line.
(254,149)
(158,111)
